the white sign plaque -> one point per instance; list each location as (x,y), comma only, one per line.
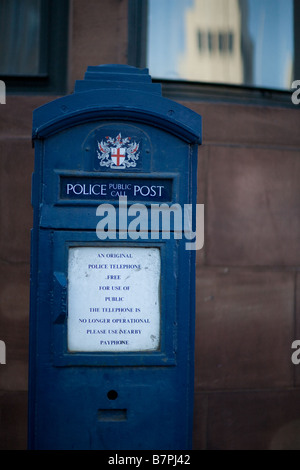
(113,299)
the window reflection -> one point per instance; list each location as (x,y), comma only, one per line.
(240,42)
(20,23)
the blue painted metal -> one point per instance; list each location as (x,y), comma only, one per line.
(70,398)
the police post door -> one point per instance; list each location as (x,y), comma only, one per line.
(112,291)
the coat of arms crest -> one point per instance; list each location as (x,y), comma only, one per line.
(118,153)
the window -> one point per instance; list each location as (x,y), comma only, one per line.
(33,45)
(246,43)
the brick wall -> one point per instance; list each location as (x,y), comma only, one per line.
(246,394)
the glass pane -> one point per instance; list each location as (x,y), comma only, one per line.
(113,299)
(239,42)
(20,28)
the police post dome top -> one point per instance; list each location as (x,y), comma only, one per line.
(117,92)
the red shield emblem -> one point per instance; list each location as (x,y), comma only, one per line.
(118,152)
(118,155)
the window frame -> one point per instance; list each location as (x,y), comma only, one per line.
(53,54)
(205,91)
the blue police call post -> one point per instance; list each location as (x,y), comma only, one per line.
(113,266)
